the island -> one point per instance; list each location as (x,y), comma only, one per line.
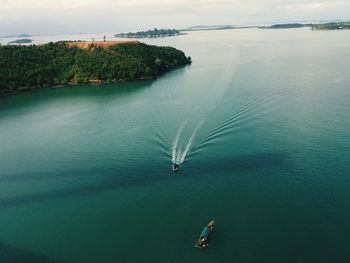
(32,67)
(150,33)
(331,26)
(313,26)
(284,26)
(22,41)
(20,35)
(24,35)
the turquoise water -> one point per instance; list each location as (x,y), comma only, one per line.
(261,121)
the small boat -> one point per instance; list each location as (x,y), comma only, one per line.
(176,167)
(203,240)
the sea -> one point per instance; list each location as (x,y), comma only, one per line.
(260,124)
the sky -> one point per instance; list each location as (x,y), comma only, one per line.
(93,16)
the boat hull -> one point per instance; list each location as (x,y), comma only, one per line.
(203,240)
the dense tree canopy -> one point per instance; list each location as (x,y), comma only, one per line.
(332,26)
(150,33)
(23,67)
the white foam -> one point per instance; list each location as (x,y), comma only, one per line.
(182,156)
(177,138)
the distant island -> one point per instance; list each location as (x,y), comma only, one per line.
(23,35)
(314,26)
(283,26)
(150,33)
(21,41)
(32,67)
(20,35)
(331,26)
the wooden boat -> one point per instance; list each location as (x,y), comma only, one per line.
(203,240)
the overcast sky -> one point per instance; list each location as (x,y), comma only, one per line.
(92,16)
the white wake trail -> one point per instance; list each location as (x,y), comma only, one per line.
(190,141)
(178,134)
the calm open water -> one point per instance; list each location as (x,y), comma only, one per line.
(261,121)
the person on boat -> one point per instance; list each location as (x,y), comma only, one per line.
(204,237)
(204,242)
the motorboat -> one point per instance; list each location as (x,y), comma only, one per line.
(176,167)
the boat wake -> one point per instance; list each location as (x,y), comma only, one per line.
(176,141)
(241,115)
(179,153)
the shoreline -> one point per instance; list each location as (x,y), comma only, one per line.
(72,84)
(91,83)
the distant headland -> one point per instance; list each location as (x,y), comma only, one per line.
(69,63)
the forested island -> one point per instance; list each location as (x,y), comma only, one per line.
(319,26)
(284,26)
(331,26)
(150,33)
(32,67)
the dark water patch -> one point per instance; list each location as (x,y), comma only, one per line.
(12,254)
(32,103)
(137,176)
(93,181)
(239,163)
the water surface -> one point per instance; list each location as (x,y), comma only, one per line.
(260,121)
